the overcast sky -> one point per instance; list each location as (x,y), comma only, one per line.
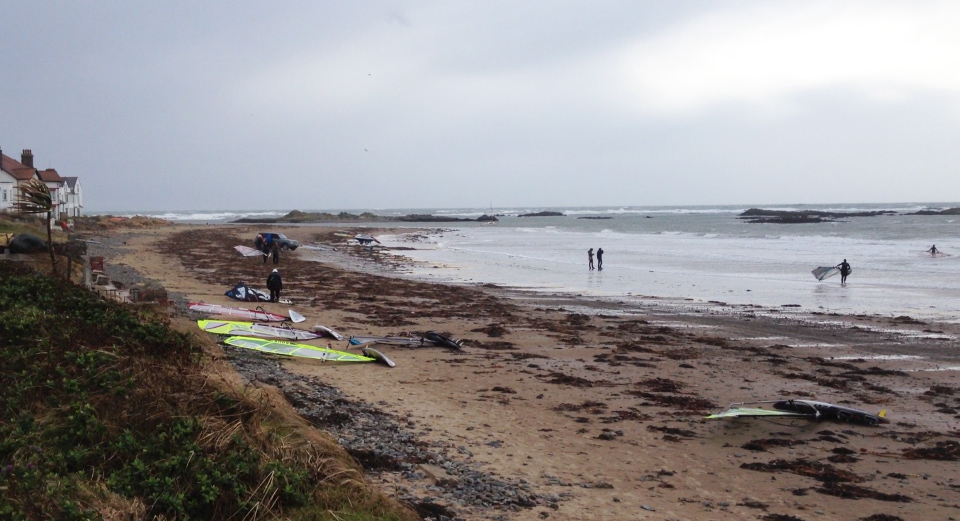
(394,104)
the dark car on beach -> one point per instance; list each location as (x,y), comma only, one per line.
(269,238)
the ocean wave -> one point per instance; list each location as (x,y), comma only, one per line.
(645,211)
(473,212)
(895,207)
(203,216)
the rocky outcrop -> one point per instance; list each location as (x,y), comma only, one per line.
(542,214)
(948,211)
(757,215)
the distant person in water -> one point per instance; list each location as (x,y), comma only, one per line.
(599,258)
(933,250)
(844,271)
(590,257)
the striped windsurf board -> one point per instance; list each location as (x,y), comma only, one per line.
(251,314)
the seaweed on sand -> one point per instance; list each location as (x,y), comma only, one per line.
(942,451)
(763,444)
(819,471)
(687,403)
(575,381)
(661,385)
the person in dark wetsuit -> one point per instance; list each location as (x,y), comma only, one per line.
(265,248)
(275,285)
(599,258)
(933,250)
(590,257)
(844,271)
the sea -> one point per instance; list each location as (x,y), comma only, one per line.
(699,254)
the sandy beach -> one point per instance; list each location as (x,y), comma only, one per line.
(565,408)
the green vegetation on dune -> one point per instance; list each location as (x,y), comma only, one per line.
(106,412)
(9,224)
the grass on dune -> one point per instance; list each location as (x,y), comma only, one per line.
(109,413)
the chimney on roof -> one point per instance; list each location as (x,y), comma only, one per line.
(27,158)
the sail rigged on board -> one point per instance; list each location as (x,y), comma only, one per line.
(279,347)
(226,327)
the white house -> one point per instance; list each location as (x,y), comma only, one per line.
(55,183)
(66,191)
(72,204)
(12,174)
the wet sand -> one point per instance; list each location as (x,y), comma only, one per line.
(596,409)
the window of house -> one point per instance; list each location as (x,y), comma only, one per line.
(4,195)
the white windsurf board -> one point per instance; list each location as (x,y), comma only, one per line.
(373,353)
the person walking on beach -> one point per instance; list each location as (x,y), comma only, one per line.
(590,257)
(276,252)
(844,271)
(599,258)
(275,285)
(264,247)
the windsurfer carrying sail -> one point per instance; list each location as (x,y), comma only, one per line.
(275,285)
(844,271)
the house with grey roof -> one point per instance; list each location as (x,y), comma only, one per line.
(72,197)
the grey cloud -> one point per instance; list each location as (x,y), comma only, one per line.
(310,105)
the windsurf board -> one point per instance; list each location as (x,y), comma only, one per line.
(279,347)
(441,340)
(373,353)
(226,327)
(830,411)
(324,330)
(252,314)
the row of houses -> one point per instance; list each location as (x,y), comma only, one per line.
(66,191)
